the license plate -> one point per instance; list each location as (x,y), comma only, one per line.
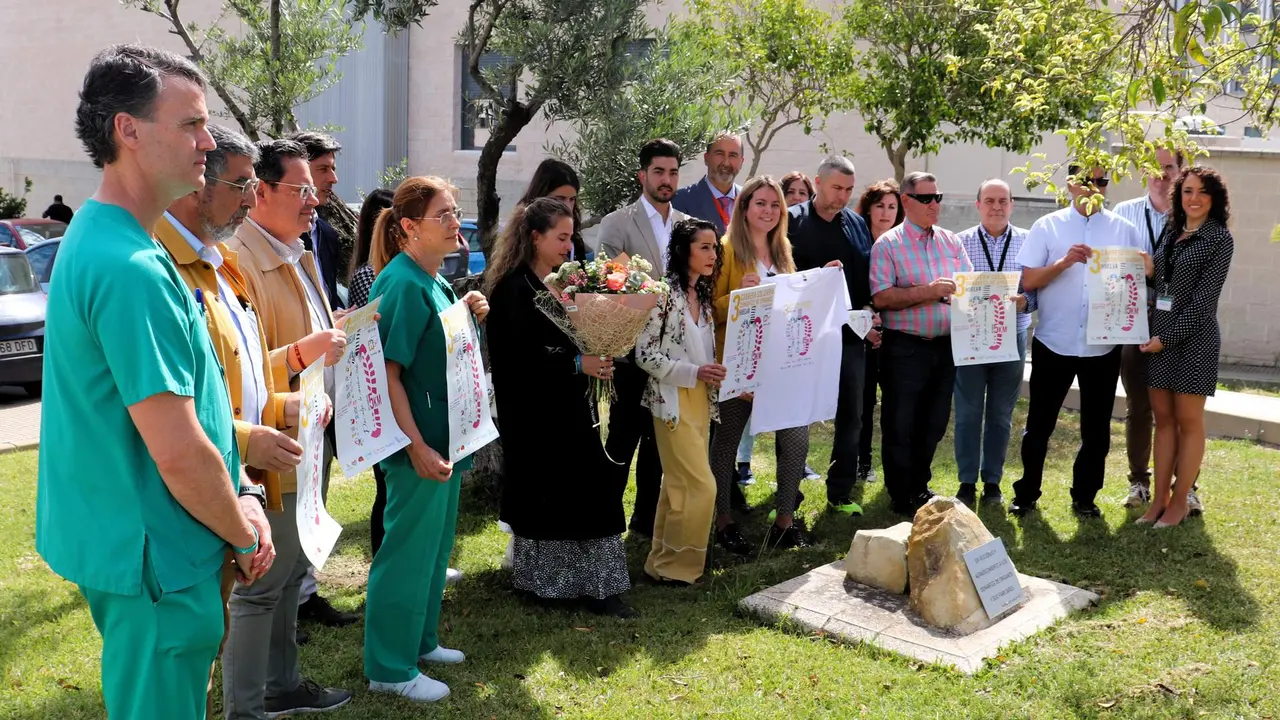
(17,347)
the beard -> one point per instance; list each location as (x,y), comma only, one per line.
(221,232)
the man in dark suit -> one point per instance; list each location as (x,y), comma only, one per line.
(822,230)
(712,197)
(322,239)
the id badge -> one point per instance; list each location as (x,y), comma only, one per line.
(1164,302)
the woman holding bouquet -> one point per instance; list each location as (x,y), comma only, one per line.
(677,349)
(755,247)
(407,580)
(559,494)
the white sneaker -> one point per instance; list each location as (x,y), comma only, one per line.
(419,689)
(444,656)
(1139,495)
(452,576)
(1194,505)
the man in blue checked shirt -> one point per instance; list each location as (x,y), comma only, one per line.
(990,391)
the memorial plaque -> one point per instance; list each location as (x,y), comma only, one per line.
(994,577)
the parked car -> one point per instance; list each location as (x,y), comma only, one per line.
(22,233)
(41,258)
(22,306)
(475,255)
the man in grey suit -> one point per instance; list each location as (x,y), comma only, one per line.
(642,228)
(712,197)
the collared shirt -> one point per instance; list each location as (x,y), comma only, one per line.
(715,193)
(315,301)
(1148,221)
(315,244)
(1000,254)
(1064,303)
(909,255)
(661,228)
(253,387)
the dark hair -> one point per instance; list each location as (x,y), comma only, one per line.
(515,248)
(229,142)
(271,157)
(549,175)
(1213,184)
(411,200)
(872,195)
(374,203)
(124,79)
(317,144)
(57,198)
(680,247)
(661,147)
(793,177)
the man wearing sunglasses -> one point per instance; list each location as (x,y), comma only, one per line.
(1053,260)
(913,267)
(261,676)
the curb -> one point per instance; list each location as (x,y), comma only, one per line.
(8,448)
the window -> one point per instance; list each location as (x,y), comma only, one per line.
(15,275)
(477,111)
(6,237)
(41,259)
(1254,14)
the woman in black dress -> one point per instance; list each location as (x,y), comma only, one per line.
(559,493)
(1192,258)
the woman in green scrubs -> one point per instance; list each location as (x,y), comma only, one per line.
(407,580)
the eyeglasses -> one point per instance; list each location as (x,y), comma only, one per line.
(445,217)
(306,192)
(925,198)
(246,188)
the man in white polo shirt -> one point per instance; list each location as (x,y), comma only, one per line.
(1053,259)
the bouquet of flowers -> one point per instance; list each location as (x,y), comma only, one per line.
(602,305)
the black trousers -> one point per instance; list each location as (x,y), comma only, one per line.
(918,377)
(849,410)
(1051,378)
(631,425)
(376,530)
(870,382)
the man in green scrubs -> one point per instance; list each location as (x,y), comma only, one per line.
(139,469)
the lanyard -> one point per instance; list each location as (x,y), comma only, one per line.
(1171,251)
(1151,234)
(720,209)
(1008,237)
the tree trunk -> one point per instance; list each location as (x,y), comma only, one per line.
(898,159)
(277,104)
(515,116)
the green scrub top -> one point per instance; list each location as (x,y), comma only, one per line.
(413,336)
(121,326)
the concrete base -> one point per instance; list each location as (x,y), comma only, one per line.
(825,599)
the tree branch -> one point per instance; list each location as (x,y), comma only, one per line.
(232,106)
(480,42)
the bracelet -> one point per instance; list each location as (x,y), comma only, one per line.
(297,355)
(252,548)
(577,364)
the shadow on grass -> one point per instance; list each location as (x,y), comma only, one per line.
(25,611)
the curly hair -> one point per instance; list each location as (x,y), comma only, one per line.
(680,247)
(515,247)
(1213,183)
(872,195)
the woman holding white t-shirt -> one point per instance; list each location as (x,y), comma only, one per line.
(755,247)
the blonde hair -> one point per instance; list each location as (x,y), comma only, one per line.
(411,201)
(739,237)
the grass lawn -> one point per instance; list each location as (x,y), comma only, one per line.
(1188,627)
(1267,389)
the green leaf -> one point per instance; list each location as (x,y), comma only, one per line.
(1157,89)
(1196,52)
(1134,86)
(1229,11)
(1212,21)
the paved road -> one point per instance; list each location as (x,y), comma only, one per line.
(19,420)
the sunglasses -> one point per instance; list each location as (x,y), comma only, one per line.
(926,198)
(247,188)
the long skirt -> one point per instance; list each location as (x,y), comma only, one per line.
(687,503)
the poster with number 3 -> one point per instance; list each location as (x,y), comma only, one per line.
(470,420)
(984,319)
(1117,287)
(317,530)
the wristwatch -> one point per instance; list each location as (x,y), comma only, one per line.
(257,492)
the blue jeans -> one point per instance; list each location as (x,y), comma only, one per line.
(986,390)
(747,445)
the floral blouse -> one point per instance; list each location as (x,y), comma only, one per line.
(671,352)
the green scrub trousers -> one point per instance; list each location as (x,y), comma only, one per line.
(157,648)
(407,580)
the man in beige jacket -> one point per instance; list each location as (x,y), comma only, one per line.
(261,677)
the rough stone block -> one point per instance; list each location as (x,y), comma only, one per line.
(879,558)
(942,592)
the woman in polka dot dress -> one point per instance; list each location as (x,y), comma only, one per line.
(1192,258)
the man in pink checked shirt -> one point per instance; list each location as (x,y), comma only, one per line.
(912,279)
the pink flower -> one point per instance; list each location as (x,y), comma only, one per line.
(615,281)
